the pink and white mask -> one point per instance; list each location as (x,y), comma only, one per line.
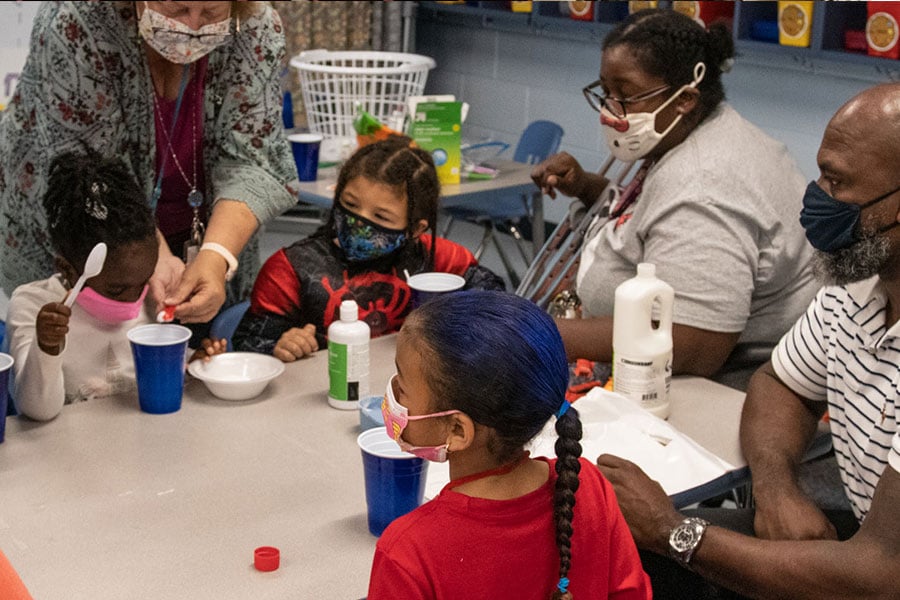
(396,417)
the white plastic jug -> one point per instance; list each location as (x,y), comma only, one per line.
(642,352)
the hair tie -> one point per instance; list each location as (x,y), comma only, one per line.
(563,584)
(562,410)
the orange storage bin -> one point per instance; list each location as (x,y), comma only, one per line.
(636,5)
(795,23)
(581,11)
(882,29)
(707,13)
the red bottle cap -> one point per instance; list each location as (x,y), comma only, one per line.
(167,315)
(266,558)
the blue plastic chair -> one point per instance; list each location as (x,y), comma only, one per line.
(539,140)
(225,323)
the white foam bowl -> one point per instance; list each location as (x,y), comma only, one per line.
(237,375)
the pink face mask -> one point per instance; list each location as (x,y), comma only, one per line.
(109,310)
(396,417)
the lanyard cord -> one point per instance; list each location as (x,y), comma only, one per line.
(185,75)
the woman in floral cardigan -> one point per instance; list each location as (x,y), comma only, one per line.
(188,94)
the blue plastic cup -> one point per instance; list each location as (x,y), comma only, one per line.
(426,286)
(159,353)
(6,363)
(306,154)
(395,480)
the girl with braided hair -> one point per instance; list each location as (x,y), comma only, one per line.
(385,200)
(479,374)
(64,354)
(714,205)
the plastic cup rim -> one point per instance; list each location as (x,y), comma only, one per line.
(6,361)
(184,337)
(306,138)
(441,282)
(380,432)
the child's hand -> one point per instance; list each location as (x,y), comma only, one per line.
(296,343)
(52,325)
(208,349)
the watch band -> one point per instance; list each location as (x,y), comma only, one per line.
(224,253)
(685,538)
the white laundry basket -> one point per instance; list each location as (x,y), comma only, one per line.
(333,82)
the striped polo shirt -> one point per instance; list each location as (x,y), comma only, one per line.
(843,352)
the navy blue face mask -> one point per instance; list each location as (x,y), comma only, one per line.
(830,224)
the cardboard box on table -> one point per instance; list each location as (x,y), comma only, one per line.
(436,126)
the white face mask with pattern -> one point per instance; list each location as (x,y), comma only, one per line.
(178,43)
(633,136)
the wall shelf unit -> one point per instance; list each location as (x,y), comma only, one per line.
(752,20)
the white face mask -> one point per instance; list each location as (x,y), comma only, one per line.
(634,136)
(178,43)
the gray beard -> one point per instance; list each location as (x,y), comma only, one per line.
(861,260)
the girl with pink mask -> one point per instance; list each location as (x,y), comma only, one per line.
(64,354)
(479,375)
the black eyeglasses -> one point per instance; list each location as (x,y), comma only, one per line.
(616,106)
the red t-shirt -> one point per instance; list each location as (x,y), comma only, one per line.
(456,546)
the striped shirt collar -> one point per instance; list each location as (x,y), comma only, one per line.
(871,298)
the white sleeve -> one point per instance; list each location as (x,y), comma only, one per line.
(799,359)
(39,390)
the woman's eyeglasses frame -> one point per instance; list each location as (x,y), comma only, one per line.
(617,106)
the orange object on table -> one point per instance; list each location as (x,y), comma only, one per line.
(882,29)
(706,13)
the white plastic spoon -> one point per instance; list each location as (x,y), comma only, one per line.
(92,267)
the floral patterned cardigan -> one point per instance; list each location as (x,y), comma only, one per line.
(86,81)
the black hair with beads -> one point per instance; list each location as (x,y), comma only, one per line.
(668,44)
(397,163)
(500,359)
(91,198)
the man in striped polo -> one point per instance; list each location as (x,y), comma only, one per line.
(843,355)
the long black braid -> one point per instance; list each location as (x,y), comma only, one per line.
(667,44)
(568,451)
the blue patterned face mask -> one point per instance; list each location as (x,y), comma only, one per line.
(363,240)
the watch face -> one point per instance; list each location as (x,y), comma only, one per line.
(685,537)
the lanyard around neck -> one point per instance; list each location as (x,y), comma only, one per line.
(185,76)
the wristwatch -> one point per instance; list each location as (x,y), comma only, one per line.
(685,538)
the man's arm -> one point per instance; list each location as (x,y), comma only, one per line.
(863,567)
(866,566)
(694,351)
(777,427)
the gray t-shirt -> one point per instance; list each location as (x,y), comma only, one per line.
(719,217)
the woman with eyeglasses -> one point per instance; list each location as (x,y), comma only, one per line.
(715,204)
(188,94)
